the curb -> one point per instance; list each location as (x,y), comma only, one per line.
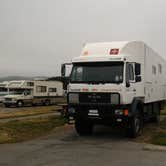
(151,147)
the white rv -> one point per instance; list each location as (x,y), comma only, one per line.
(3,90)
(33,92)
(119,83)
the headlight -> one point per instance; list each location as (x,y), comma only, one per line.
(118,112)
(73,98)
(115,98)
(71,110)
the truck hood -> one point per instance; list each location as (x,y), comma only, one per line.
(95,87)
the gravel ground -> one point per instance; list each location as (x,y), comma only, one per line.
(65,148)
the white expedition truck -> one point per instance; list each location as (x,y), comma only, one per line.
(116,83)
(33,92)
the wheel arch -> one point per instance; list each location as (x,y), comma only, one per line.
(137,103)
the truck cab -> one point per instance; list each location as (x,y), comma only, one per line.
(18,97)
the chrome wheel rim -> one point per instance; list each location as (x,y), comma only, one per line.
(137,125)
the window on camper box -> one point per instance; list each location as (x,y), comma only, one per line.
(3,89)
(154,70)
(27,92)
(41,89)
(52,90)
(30,83)
(160,68)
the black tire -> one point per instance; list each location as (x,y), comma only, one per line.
(7,105)
(47,102)
(156,117)
(83,127)
(20,103)
(136,125)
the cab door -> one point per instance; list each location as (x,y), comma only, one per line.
(28,96)
(130,82)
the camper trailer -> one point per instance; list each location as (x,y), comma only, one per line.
(3,90)
(116,83)
(33,92)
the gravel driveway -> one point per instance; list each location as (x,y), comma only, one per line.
(65,148)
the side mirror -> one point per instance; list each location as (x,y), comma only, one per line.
(137,69)
(63,70)
(138,78)
(127,84)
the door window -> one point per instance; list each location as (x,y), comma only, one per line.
(129,72)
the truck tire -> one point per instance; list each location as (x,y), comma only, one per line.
(156,117)
(7,105)
(136,125)
(83,127)
(47,102)
(20,103)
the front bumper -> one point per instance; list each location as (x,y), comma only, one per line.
(105,113)
(10,102)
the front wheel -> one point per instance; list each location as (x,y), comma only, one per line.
(20,103)
(136,126)
(83,127)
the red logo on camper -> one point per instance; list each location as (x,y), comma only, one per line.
(114,51)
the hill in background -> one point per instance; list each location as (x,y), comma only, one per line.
(10,78)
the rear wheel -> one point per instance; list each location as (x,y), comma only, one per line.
(20,103)
(83,127)
(7,105)
(47,103)
(156,111)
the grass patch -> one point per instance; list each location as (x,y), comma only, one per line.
(154,133)
(27,111)
(159,137)
(17,131)
(163,112)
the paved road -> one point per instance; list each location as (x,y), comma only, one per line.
(65,148)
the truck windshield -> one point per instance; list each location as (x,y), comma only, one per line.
(97,72)
(19,91)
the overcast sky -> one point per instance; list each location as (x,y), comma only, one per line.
(36,36)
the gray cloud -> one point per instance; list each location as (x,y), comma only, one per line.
(36,36)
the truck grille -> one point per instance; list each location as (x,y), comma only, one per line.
(94,98)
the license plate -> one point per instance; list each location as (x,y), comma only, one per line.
(93,113)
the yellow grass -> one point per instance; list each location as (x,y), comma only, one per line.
(16,131)
(27,111)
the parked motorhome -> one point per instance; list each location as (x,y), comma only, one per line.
(116,83)
(33,92)
(3,90)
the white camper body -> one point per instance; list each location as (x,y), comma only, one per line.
(3,90)
(141,85)
(33,92)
